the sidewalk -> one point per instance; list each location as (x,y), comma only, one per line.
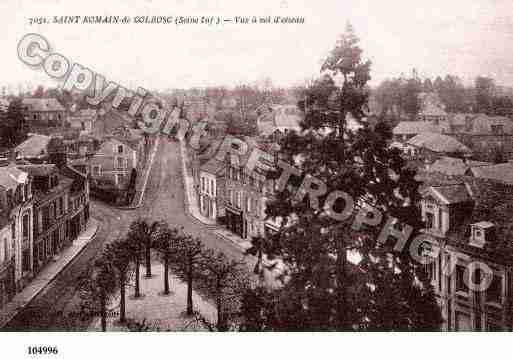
(158,311)
(191,199)
(48,274)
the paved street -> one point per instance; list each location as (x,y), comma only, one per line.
(53,308)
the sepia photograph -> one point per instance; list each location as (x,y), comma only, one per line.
(290,166)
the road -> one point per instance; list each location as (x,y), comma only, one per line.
(53,309)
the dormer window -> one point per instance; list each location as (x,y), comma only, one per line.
(481,233)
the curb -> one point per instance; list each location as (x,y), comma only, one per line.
(36,293)
(183,170)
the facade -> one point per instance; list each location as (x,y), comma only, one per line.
(447,211)
(211,188)
(112,165)
(246,195)
(17,211)
(43,112)
(61,209)
(83,120)
(7,281)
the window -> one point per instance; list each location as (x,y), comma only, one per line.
(460,279)
(120,149)
(25,226)
(248,204)
(120,162)
(212,189)
(497,129)
(230,196)
(202,184)
(61,205)
(494,291)
(429,220)
(2,251)
(13,229)
(97,170)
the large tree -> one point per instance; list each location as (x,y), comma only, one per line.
(226,280)
(167,242)
(188,266)
(340,277)
(118,255)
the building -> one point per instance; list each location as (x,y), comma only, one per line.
(7,265)
(502,172)
(431,146)
(36,148)
(450,166)
(278,119)
(115,166)
(405,130)
(211,188)
(61,208)
(431,108)
(466,234)
(247,193)
(43,112)
(16,203)
(83,120)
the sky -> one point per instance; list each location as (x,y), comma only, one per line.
(466,38)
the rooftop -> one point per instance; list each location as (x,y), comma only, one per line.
(42,104)
(502,172)
(415,127)
(437,142)
(35,146)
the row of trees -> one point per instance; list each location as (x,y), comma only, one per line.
(120,265)
(399,96)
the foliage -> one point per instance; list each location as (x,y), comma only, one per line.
(225,280)
(382,289)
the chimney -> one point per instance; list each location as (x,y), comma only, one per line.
(60,159)
(12,155)
(481,233)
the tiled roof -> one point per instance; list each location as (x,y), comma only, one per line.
(449,166)
(438,143)
(415,127)
(83,115)
(451,193)
(213,166)
(36,145)
(502,172)
(42,104)
(38,170)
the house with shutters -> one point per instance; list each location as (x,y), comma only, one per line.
(113,163)
(61,209)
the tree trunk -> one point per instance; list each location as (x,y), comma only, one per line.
(190,309)
(122,306)
(341,297)
(166,275)
(220,321)
(258,263)
(148,257)
(137,269)
(103,309)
